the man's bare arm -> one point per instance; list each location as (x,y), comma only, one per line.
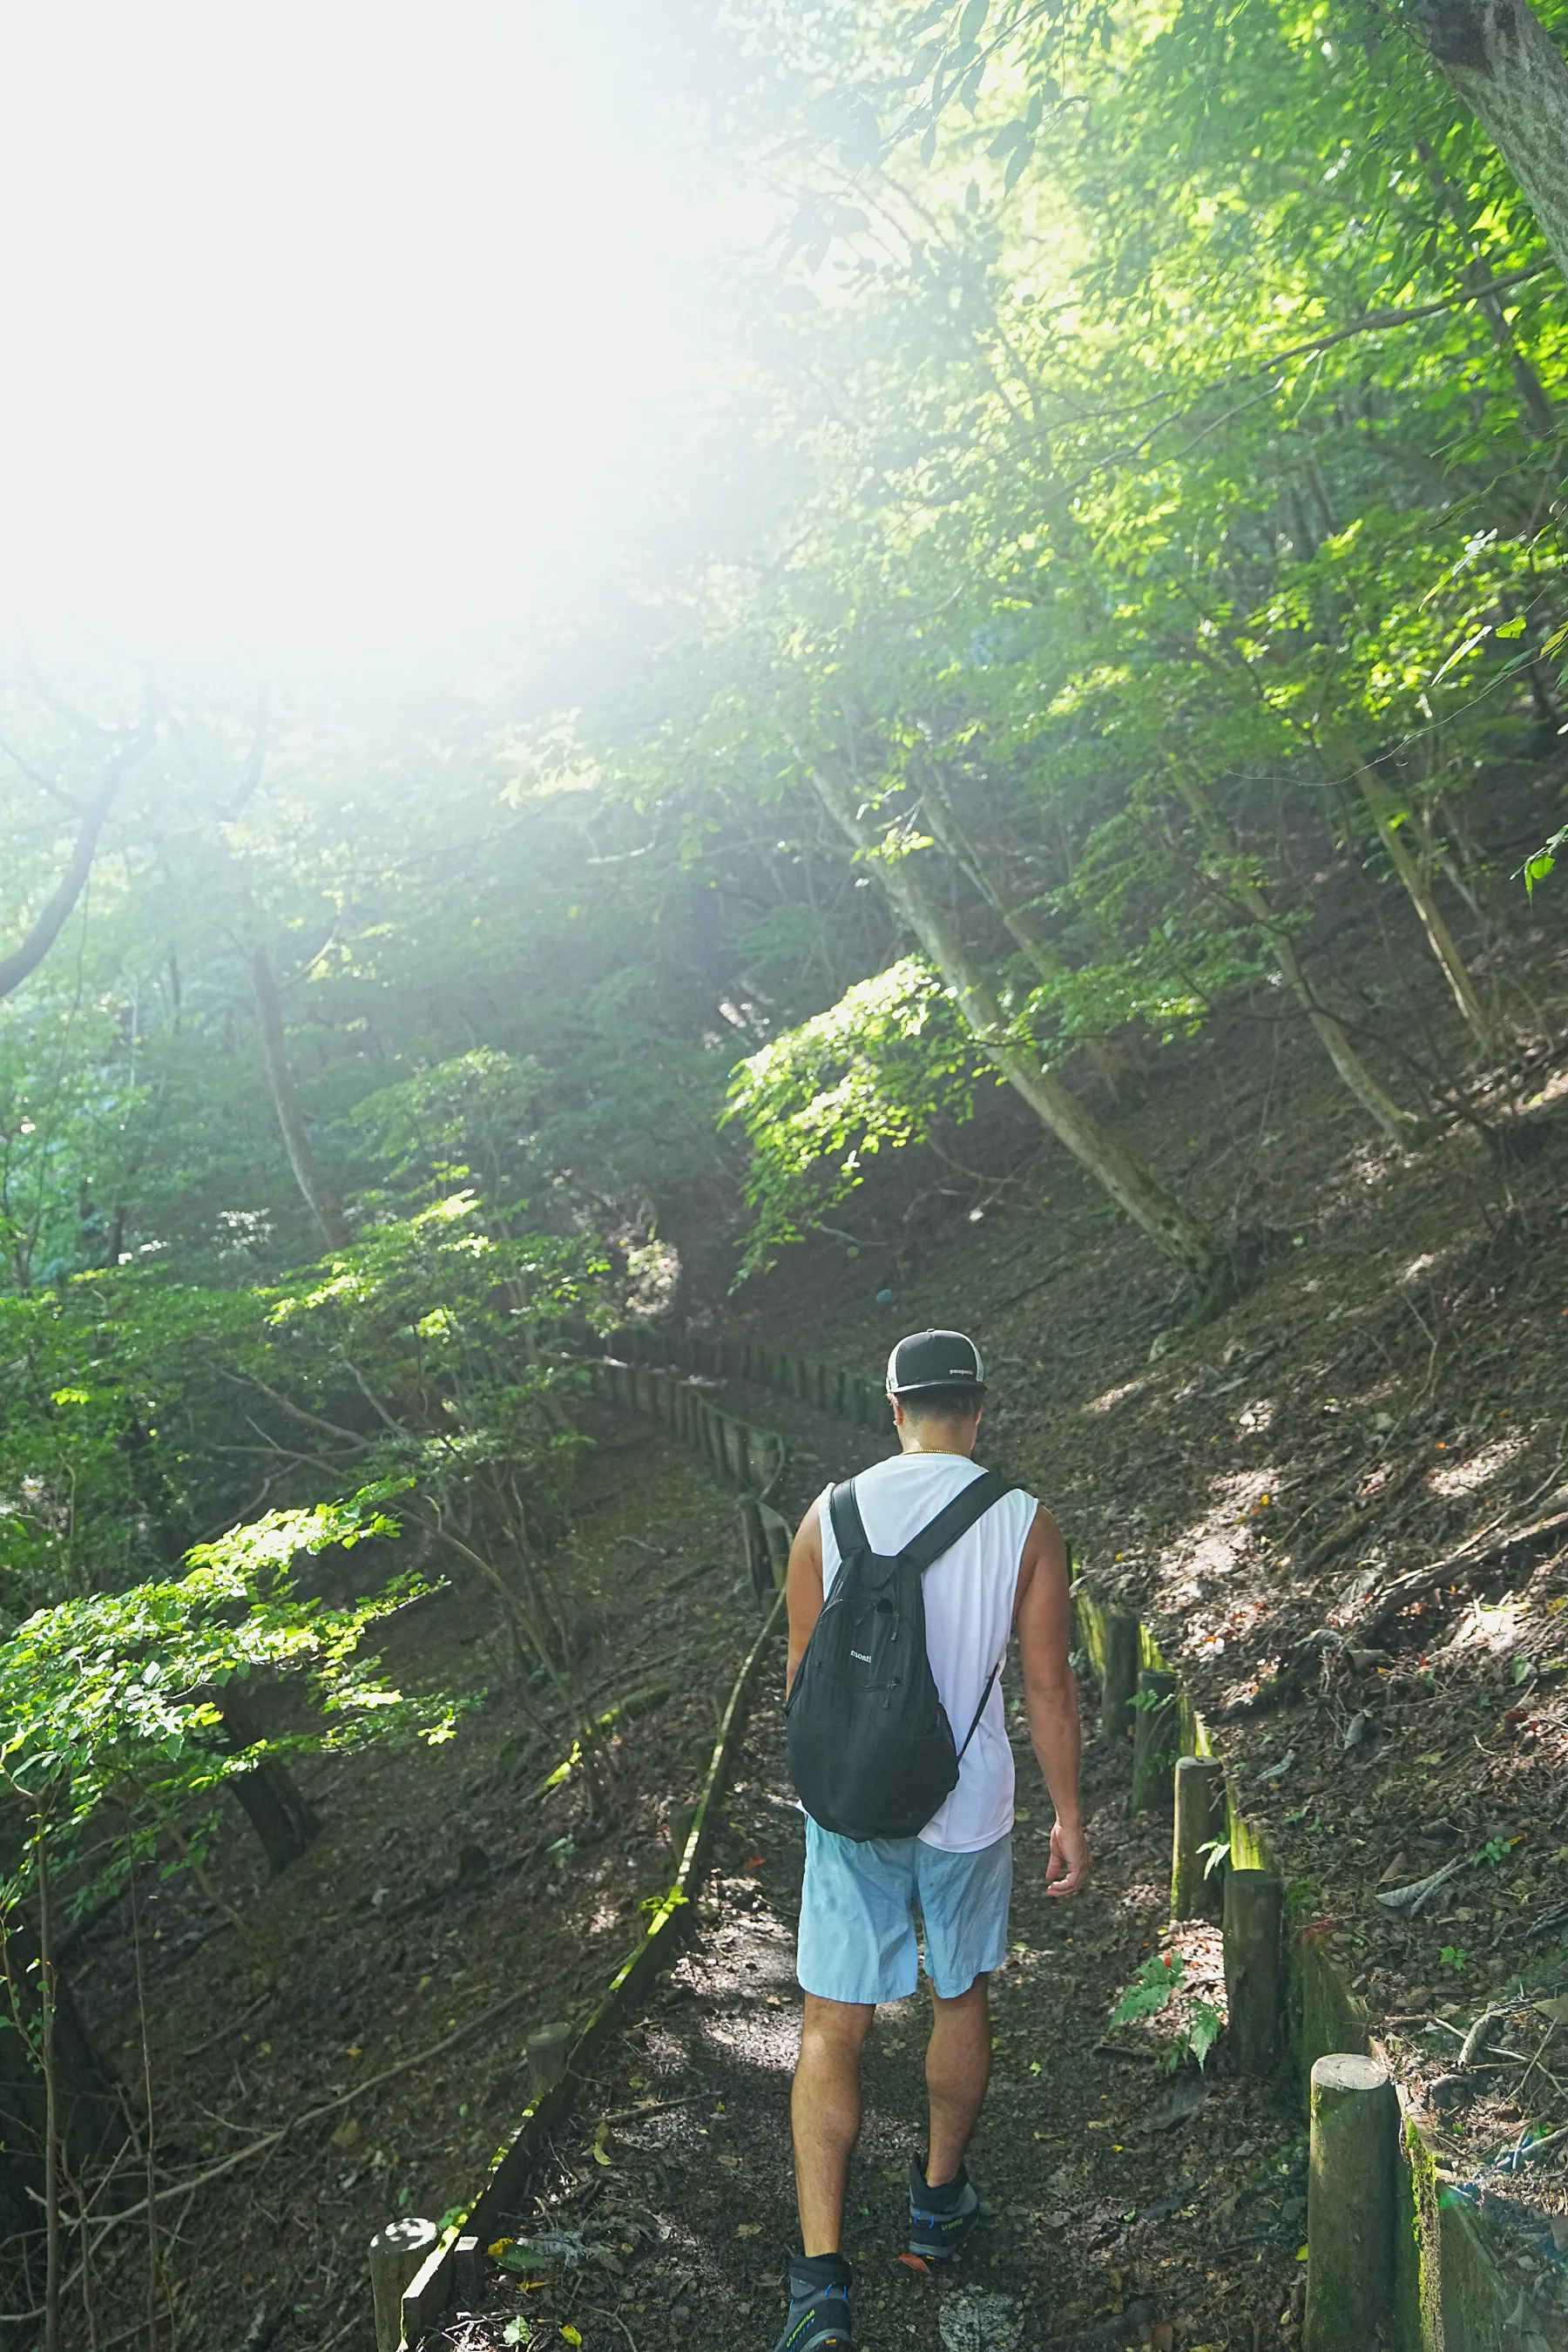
(804,1588)
(1043,1620)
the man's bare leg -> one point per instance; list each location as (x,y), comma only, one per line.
(825,2110)
(958,2068)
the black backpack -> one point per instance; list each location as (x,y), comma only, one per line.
(870,1746)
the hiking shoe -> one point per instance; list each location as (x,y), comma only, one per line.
(820,2320)
(940,2220)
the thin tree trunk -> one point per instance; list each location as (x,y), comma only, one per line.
(89,2122)
(15,967)
(1534,400)
(1387,814)
(1507,67)
(1169,1224)
(1398,1125)
(48,2057)
(955,838)
(318,1196)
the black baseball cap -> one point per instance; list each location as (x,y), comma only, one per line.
(934,1360)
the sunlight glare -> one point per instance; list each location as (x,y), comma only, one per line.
(329,325)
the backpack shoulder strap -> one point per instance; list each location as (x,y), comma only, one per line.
(848,1526)
(974,1726)
(955,1518)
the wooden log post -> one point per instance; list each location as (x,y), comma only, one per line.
(548,2049)
(777,1530)
(1123,1656)
(467,2273)
(1196,1891)
(1254,1905)
(1156,1736)
(759,1558)
(1351,2195)
(396,2253)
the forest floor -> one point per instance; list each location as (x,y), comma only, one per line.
(1125,2205)
(354,2051)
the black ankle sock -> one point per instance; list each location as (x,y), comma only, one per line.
(809,2273)
(944,2198)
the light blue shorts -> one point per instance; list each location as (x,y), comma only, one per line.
(857,1916)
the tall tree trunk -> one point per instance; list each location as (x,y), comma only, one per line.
(1221,849)
(1169,1224)
(955,838)
(1507,67)
(270,1799)
(1387,814)
(319,1198)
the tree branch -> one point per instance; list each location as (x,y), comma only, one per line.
(25,959)
(307,2115)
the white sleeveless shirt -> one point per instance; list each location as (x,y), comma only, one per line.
(969,1597)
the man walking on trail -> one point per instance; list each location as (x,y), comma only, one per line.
(864,1753)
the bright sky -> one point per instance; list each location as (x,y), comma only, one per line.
(328,326)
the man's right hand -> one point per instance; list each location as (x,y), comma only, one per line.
(1066,1872)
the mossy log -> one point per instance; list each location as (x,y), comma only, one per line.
(1254,1967)
(1196,1891)
(1123,1656)
(1156,1741)
(1350,2187)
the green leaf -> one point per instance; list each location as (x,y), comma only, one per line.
(1149,1991)
(861,141)
(1202,2030)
